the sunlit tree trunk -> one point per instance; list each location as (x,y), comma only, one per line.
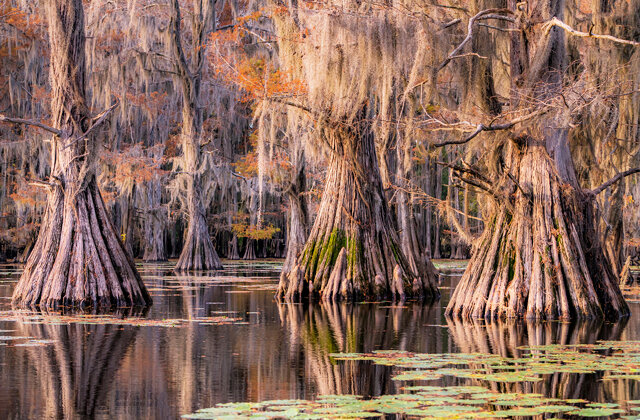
(198,252)
(78,258)
(540,255)
(353,251)
(297,229)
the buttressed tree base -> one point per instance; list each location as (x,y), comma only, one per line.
(78,259)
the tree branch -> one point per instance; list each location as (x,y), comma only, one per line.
(30,122)
(95,122)
(483,15)
(615,179)
(492,127)
(560,24)
(467,170)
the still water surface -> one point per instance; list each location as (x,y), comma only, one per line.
(220,337)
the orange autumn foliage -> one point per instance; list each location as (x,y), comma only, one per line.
(259,79)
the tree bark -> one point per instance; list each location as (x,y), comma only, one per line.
(232,252)
(198,252)
(353,252)
(297,228)
(78,259)
(154,249)
(540,255)
(250,250)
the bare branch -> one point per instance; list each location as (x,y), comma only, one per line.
(560,24)
(99,118)
(483,15)
(30,122)
(96,121)
(467,170)
(615,179)
(492,127)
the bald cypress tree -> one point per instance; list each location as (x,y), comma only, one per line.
(540,255)
(78,258)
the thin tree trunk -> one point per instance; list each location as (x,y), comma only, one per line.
(353,252)
(297,228)
(418,262)
(78,259)
(198,252)
(428,213)
(438,190)
(127,222)
(154,249)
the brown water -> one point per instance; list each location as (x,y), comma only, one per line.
(232,342)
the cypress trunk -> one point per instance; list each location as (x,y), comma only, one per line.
(78,259)
(353,251)
(232,249)
(540,255)
(297,228)
(154,249)
(198,252)
(250,250)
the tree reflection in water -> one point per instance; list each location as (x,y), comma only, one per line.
(510,338)
(281,352)
(76,372)
(322,329)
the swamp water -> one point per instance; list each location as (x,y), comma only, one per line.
(218,345)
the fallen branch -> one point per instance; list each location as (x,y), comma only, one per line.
(560,24)
(50,129)
(615,179)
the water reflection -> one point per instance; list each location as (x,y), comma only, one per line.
(513,340)
(275,351)
(74,373)
(321,329)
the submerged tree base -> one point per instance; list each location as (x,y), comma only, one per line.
(540,255)
(78,259)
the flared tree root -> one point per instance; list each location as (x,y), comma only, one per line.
(78,259)
(250,250)
(353,251)
(540,255)
(198,252)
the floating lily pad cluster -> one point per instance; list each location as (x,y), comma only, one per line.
(617,359)
(36,318)
(428,402)
(21,341)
